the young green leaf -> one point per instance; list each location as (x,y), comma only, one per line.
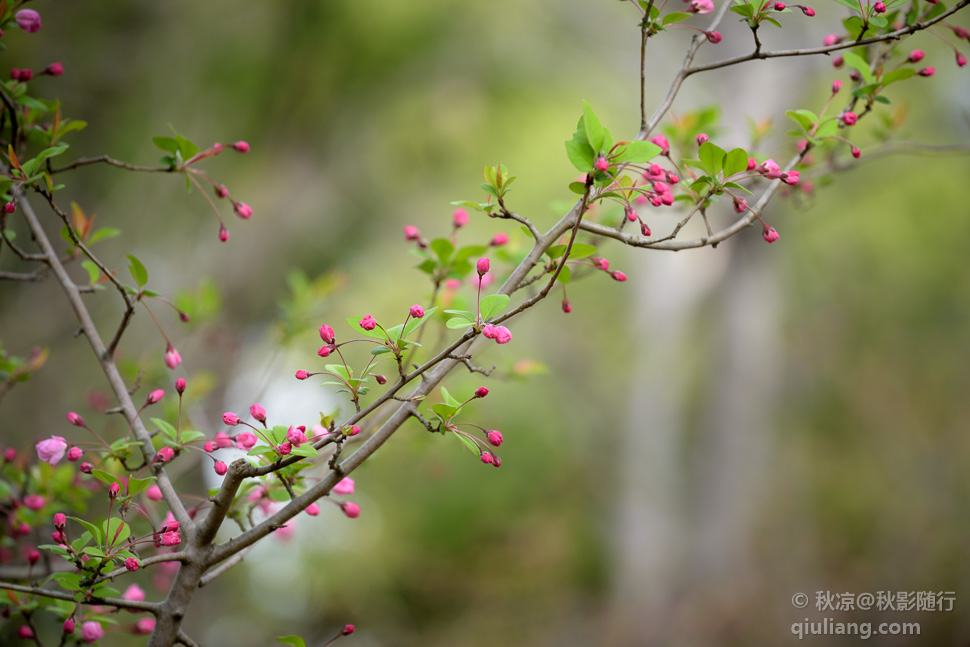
(493,304)
(138,271)
(594,129)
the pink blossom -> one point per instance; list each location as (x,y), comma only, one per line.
(33,556)
(180,385)
(69,626)
(352,510)
(221,468)
(327,334)
(221,191)
(165,454)
(566,306)
(927,71)
(325,351)
(849,118)
(459,218)
(790,178)
(368,322)
(618,276)
(223,233)
(91,631)
(132,564)
(155,396)
(170,538)
(28,20)
(502,335)
(494,437)
(209,447)
(352,430)
(296,437)
(856,153)
(487,458)
(345,487)
(961,60)
(879,7)
(481,392)
(770,169)
(779,6)
(769,234)
(302,375)
(740,205)
(411,233)
(172,357)
(52,450)
(86,467)
(258,412)
(114,489)
(489,331)
(246,440)
(499,239)
(133,593)
(25,632)
(313,509)
(836,86)
(808,11)
(417,311)
(35,501)
(153,493)
(242,210)
(241,147)
(60,519)
(601,163)
(838,61)
(662,142)
(347,630)
(482,266)
(645,229)
(832,39)
(701,6)
(702,138)
(54,69)
(230,418)
(144,626)
(75,419)
(916,56)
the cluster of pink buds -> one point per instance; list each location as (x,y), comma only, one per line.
(500,334)
(770,170)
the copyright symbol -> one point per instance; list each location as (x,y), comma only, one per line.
(799,600)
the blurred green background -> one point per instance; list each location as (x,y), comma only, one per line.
(724,430)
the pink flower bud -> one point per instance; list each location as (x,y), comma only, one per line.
(380,379)
(459,218)
(75,419)
(230,418)
(10,454)
(701,6)
(155,396)
(172,357)
(153,493)
(302,375)
(28,20)
(54,69)
(165,454)
(60,519)
(347,630)
(258,412)
(879,7)
(221,191)
(313,509)
(779,6)
(672,178)
(132,564)
(144,626)
(345,487)
(10,207)
(790,178)
(494,438)
(133,593)
(246,440)
(35,502)
(223,440)
(52,450)
(241,147)
(808,11)
(351,510)
(927,71)
(499,239)
(242,210)
(916,56)
(325,351)
(221,468)
(482,266)
(740,205)
(832,39)
(836,86)
(769,234)
(645,229)
(502,335)
(618,276)
(856,153)
(855,76)
(489,331)
(487,458)
(662,142)
(295,437)
(411,233)
(702,138)
(352,430)
(69,626)
(33,556)
(481,392)
(113,490)
(91,631)
(223,233)
(170,539)
(86,468)
(838,61)
(770,169)
(209,447)
(59,537)
(961,59)
(849,118)
(566,306)
(368,322)
(601,163)
(327,334)
(417,311)
(25,632)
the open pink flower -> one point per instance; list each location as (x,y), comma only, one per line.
(52,450)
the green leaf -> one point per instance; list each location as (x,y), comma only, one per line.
(828,128)
(53,151)
(115,526)
(579,250)
(637,152)
(138,271)
(677,16)
(444,411)
(103,234)
(443,248)
(338,369)
(565,275)
(594,129)
(449,398)
(306,449)
(457,323)
(90,527)
(186,147)
(167,144)
(772,21)
(469,204)
(94,273)
(735,162)
(414,323)
(712,157)
(493,304)
(577,187)
(68,581)
(735,185)
(166,428)
(103,476)
(859,64)
(379,350)
(296,641)
(745,10)
(897,75)
(582,157)
(468,444)
(135,486)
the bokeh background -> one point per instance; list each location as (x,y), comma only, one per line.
(684,451)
